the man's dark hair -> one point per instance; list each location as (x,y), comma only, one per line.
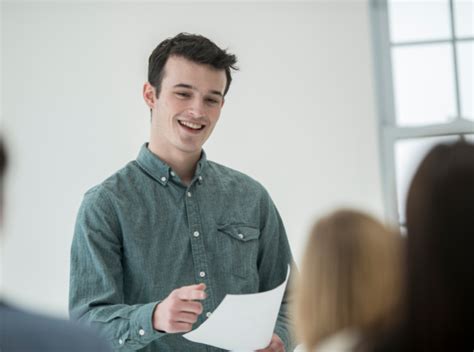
(193,47)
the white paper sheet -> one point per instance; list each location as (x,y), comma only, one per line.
(242,322)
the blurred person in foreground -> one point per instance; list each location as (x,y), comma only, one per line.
(22,331)
(349,287)
(439,305)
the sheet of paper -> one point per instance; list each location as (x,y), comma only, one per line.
(242,322)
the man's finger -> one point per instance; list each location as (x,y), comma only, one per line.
(191,307)
(276,344)
(270,348)
(193,292)
(201,286)
(180,327)
(185,317)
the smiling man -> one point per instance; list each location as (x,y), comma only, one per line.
(159,244)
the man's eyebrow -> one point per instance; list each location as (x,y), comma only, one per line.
(216,92)
(188,86)
(184,85)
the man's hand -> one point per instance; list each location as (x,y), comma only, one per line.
(179,311)
(276,345)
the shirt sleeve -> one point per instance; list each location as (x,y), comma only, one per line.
(96,278)
(274,258)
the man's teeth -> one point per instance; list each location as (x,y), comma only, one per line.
(194,126)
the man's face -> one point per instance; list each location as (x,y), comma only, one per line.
(188,106)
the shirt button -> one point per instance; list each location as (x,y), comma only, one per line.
(200,178)
(208,314)
(241,236)
(120,342)
(163,179)
(189,194)
(141,332)
(172,173)
(202,274)
(196,234)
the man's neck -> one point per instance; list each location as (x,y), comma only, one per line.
(182,163)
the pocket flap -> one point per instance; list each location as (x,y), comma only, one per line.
(242,233)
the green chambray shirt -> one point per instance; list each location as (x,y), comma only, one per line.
(142,233)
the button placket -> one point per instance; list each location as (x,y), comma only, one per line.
(191,200)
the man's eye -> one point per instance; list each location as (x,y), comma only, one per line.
(212,101)
(183,94)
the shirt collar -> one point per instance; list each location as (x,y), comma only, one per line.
(161,171)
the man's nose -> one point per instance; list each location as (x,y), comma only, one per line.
(196,108)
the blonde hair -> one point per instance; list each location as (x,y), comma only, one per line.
(350,277)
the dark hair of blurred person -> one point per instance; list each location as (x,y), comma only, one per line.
(349,287)
(23,331)
(440,255)
(3,166)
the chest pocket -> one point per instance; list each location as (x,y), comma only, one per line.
(238,245)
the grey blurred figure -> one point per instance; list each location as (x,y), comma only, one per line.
(24,331)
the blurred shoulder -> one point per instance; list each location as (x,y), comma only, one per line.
(25,331)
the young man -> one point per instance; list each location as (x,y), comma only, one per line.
(159,244)
(23,331)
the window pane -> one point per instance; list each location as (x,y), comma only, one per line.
(423,84)
(408,155)
(464,18)
(466,77)
(419,20)
(469,137)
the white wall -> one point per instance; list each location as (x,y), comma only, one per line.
(299,116)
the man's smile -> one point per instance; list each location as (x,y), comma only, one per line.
(191,125)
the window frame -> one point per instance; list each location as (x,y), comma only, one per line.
(389,132)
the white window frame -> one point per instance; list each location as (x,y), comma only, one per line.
(389,132)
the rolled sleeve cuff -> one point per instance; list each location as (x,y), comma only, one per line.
(141,331)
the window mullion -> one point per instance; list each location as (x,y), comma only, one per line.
(389,175)
(455,60)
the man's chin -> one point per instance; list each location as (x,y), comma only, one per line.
(190,149)
(189,146)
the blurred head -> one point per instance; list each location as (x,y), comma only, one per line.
(440,248)
(3,166)
(193,47)
(350,277)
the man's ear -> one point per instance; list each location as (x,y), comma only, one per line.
(149,95)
